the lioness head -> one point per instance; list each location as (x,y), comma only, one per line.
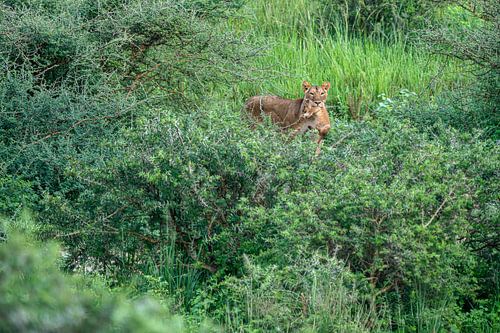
(315,96)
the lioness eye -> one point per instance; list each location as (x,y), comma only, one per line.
(311,93)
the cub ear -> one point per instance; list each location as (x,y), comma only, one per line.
(325,85)
(306,85)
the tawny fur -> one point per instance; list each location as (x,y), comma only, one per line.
(300,115)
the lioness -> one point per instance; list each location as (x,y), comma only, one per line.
(299,114)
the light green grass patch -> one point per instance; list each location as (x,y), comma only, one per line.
(301,46)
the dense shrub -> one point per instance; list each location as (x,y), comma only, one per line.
(314,294)
(470,32)
(74,72)
(38,297)
(397,204)
(15,195)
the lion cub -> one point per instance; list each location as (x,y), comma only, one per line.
(300,114)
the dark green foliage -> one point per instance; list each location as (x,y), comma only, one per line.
(15,194)
(471,34)
(314,294)
(381,18)
(75,71)
(395,204)
(41,127)
(38,297)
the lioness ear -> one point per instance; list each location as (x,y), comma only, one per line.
(325,85)
(306,85)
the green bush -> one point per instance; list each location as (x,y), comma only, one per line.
(397,204)
(469,32)
(75,71)
(15,194)
(314,294)
(37,296)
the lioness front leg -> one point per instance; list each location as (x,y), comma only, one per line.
(321,135)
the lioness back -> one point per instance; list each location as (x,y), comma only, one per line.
(283,112)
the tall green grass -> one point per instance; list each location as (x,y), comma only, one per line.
(172,277)
(303,43)
(306,297)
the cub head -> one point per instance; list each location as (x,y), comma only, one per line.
(315,96)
